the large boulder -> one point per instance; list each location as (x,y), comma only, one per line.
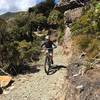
(5,80)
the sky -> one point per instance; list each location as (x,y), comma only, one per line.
(17,5)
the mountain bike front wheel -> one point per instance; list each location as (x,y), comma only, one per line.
(47,64)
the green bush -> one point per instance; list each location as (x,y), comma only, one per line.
(21,19)
(60,36)
(84,42)
(55,17)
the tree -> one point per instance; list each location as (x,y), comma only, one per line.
(43,7)
(8,52)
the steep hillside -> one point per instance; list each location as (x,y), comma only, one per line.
(84,67)
(86,30)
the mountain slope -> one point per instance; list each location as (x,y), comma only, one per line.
(9,15)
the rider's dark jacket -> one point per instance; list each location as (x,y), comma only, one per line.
(49,44)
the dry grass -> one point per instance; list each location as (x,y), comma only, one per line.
(88,44)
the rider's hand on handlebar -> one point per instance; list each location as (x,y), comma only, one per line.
(42,50)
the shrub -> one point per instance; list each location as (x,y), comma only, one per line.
(55,17)
(21,19)
(82,41)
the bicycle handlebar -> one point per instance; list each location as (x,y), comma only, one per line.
(51,48)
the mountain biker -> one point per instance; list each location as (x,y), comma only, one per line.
(49,45)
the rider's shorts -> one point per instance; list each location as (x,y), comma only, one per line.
(50,52)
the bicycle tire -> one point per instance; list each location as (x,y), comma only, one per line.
(47,64)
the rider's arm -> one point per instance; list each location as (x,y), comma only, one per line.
(54,45)
(43,44)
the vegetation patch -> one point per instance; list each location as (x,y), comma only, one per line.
(85,30)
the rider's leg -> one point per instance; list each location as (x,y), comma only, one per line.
(52,58)
(51,55)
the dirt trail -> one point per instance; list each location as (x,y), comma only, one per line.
(39,86)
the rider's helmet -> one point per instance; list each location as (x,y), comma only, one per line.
(47,37)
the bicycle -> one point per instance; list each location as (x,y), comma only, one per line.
(48,61)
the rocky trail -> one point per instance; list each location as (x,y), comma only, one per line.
(39,86)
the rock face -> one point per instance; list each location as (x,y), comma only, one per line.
(83,83)
(71,15)
(83,87)
(72,9)
(64,2)
(64,5)
(67,43)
